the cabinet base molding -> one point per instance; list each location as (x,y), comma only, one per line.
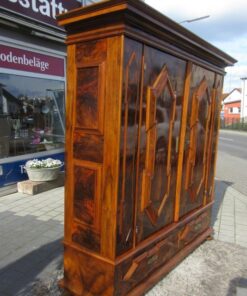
(93,276)
(158,274)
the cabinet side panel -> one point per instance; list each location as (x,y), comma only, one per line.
(86,142)
(128,146)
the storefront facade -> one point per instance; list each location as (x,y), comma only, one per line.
(32,84)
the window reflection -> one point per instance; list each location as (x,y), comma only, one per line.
(32,115)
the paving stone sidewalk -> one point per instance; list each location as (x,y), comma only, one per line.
(31,233)
(229,215)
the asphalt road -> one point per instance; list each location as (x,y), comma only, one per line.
(232,159)
(233,143)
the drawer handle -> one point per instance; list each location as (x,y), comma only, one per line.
(134,266)
(151,257)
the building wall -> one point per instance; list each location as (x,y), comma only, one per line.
(244,99)
(31,100)
(232,111)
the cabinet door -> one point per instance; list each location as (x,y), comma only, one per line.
(213,139)
(128,144)
(198,140)
(159,128)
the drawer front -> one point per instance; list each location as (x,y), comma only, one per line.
(195,227)
(143,264)
(135,269)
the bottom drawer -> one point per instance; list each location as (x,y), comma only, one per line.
(136,268)
(192,229)
(143,264)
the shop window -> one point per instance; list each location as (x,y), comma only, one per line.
(32,115)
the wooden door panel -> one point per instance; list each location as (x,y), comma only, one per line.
(128,145)
(158,139)
(197,139)
(149,181)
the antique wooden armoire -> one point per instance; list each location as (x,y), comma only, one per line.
(143,103)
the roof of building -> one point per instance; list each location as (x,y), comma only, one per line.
(233,96)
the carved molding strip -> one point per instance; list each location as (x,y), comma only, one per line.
(126,115)
(216,92)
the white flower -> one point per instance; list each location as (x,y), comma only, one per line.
(44,163)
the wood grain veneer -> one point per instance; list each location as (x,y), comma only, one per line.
(142,120)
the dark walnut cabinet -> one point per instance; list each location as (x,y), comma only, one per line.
(143,103)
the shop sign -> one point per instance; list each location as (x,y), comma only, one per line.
(24,60)
(44,11)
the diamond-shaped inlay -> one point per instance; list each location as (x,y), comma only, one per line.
(161,86)
(198,139)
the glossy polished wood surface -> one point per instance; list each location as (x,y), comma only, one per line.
(143,104)
(197,139)
(162,103)
(130,114)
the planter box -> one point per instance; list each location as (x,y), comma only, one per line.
(32,188)
(44,174)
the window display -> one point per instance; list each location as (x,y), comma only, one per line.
(32,115)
